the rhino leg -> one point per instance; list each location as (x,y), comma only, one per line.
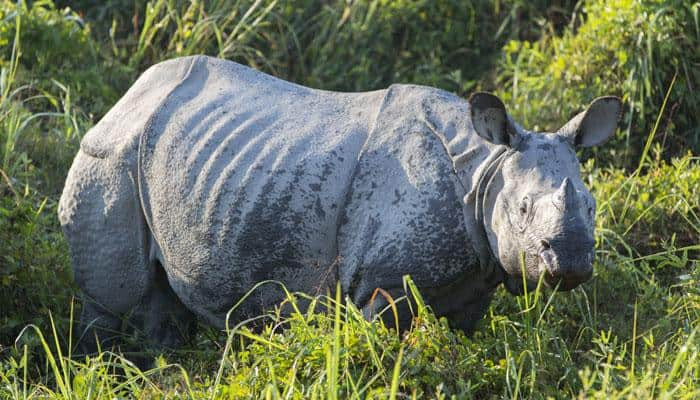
(383,305)
(101,217)
(114,257)
(166,322)
(99,327)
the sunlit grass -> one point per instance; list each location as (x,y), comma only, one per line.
(331,351)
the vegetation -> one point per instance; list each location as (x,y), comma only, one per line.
(633,331)
(630,48)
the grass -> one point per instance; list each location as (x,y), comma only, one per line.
(633,331)
(527,352)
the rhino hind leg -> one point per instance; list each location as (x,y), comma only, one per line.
(99,328)
(125,289)
(165,321)
(101,217)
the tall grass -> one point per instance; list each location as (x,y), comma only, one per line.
(340,45)
(221,28)
(331,351)
(39,134)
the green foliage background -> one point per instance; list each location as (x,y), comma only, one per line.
(632,332)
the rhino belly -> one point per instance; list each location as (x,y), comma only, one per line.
(243,178)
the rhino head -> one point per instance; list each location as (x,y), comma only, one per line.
(535,208)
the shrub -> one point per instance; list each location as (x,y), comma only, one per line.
(35,276)
(58,48)
(337,45)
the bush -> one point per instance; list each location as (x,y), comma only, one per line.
(58,50)
(35,276)
(337,45)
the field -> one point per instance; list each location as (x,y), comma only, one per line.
(632,331)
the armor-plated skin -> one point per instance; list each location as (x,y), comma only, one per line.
(208,177)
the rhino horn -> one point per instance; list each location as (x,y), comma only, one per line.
(565,197)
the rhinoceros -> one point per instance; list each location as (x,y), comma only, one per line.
(208,177)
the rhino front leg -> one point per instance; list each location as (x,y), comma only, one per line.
(388,305)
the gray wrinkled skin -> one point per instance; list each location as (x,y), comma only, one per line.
(208,177)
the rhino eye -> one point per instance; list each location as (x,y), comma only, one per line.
(524,206)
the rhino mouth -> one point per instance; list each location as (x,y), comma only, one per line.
(553,275)
(564,284)
(564,278)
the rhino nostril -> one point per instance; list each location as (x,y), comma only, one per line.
(549,260)
(588,273)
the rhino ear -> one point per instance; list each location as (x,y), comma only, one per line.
(595,125)
(491,120)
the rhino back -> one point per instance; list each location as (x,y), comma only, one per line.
(117,134)
(243,177)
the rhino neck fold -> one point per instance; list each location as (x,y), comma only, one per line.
(476,207)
